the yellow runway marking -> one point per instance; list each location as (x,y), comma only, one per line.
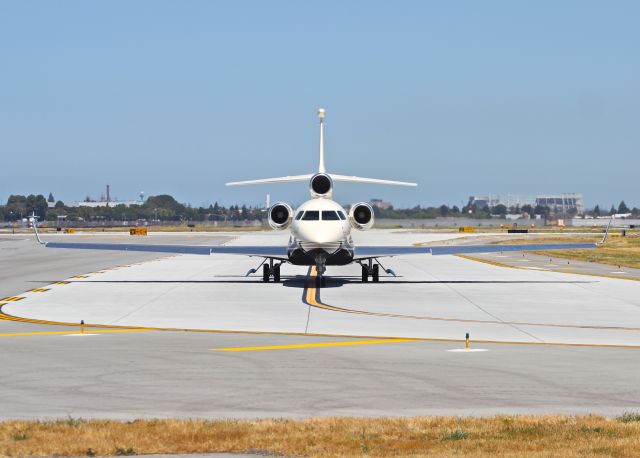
(39,290)
(11,299)
(315,345)
(61,333)
(61,283)
(80,276)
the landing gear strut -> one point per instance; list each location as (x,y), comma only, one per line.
(271,270)
(320,269)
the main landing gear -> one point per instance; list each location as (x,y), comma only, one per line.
(271,270)
(372,270)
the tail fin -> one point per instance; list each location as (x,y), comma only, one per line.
(321,169)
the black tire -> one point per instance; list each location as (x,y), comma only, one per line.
(376,273)
(276,274)
(318,282)
(365,274)
(323,282)
(265,273)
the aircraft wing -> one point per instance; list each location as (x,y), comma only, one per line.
(367,252)
(276,252)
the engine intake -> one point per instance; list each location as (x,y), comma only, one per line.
(280,216)
(320,185)
(361,216)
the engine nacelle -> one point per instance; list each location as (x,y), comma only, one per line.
(280,216)
(361,216)
(320,185)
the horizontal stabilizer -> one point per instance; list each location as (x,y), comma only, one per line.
(343,178)
(352,179)
(289,179)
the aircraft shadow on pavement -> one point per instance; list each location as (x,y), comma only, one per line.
(336,282)
(303,281)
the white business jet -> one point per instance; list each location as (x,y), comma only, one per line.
(320,232)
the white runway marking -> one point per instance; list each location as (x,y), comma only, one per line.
(465,350)
(79,335)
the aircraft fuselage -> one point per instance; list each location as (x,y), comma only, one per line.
(320,229)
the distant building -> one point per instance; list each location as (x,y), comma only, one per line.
(562,203)
(559,203)
(105,201)
(480,202)
(381,204)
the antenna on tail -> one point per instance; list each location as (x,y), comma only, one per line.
(321,168)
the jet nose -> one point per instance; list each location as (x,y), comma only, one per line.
(321,232)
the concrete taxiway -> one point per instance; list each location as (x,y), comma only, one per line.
(567,341)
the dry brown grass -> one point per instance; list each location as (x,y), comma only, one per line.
(500,436)
(617,250)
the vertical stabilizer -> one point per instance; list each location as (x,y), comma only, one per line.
(321,168)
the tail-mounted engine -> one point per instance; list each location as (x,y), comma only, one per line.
(361,216)
(280,216)
(321,185)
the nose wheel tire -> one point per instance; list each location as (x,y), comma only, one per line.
(365,274)
(265,273)
(276,274)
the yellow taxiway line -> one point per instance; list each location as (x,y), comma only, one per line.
(315,345)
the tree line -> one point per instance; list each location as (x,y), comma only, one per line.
(165,208)
(156,208)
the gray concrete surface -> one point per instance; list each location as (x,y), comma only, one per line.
(182,374)
(553,264)
(435,297)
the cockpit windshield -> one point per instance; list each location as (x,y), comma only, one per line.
(311,215)
(329,215)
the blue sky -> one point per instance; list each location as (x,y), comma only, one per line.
(462,97)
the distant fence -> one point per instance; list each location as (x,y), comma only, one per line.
(603,222)
(389,223)
(128,224)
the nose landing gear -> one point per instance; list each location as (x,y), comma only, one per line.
(321,261)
